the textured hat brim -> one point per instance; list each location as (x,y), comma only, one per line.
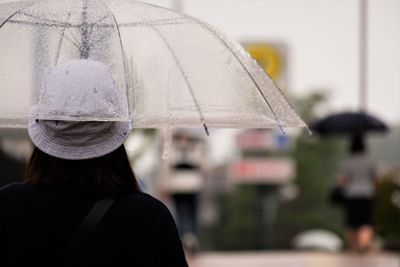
(50,145)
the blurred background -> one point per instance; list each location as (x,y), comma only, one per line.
(256,197)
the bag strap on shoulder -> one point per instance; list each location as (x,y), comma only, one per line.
(85,231)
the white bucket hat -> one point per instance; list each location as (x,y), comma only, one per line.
(78,90)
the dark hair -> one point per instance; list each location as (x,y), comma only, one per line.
(106,176)
(357,144)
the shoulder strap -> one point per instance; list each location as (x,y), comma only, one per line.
(82,235)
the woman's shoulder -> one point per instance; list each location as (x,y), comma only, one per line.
(14,195)
(147,201)
(13,189)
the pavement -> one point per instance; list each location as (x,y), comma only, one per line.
(295,259)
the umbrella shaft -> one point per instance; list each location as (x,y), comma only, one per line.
(84,32)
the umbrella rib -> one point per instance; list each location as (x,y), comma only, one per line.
(161,22)
(206,26)
(123,60)
(55,23)
(64,25)
(122,51)
(99,20)
(16,12)
(74,39)
(45,22)
(60,42)
(184,75)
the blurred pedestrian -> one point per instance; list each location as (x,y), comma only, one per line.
(358,179)
(81,204)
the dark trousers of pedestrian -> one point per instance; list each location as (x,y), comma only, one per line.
(186,212)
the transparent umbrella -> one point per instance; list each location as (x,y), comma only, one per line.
(173,70)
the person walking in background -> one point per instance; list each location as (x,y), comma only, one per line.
(76,167)
(358,180)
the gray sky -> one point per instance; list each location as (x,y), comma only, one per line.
(321,37)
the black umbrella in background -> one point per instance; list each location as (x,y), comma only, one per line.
(349,123)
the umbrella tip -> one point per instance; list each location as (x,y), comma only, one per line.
(206,129)
(167,143)
(309,131)
(281,128)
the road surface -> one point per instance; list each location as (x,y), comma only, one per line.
(288,259)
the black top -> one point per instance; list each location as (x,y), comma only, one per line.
(36,223)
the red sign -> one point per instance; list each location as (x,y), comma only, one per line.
(263,170)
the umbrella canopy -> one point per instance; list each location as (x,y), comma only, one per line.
(174,70)
(349,123)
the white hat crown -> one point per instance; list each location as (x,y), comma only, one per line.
(78,90)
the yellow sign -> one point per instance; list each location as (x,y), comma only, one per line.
(268,57)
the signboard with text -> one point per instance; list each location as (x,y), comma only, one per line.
(264,171)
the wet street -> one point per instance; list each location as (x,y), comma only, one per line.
(289,259)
